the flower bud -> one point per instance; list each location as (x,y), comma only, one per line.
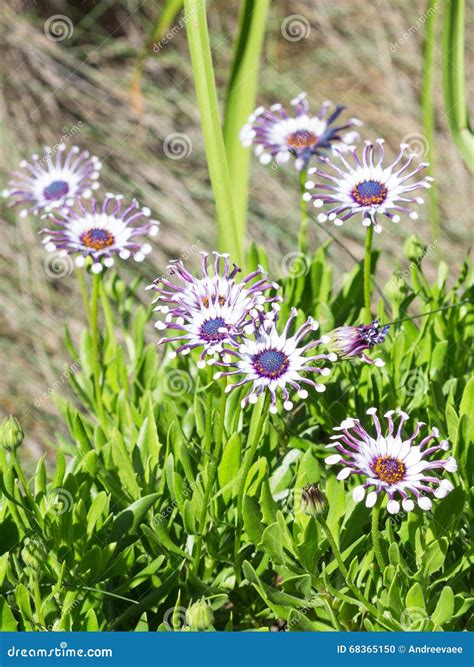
(313,500)
(11,434)
(199,616)
(34,552)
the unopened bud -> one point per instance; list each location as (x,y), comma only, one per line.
(199,616)
(11,434)
(313,500)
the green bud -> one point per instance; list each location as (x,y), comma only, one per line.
(313,500)
(11,434)
(199,616)
(414,249)
(33,552)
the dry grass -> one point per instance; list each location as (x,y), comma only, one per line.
(50,87)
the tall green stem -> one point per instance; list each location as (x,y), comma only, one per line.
(303,233)
(367,273)
(337,555)
(376,537)
(80,273)
(453,79)
(96,357)
(212,472)
(241,99)
(428,107)
(229,239)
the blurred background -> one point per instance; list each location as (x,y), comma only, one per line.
(76,72)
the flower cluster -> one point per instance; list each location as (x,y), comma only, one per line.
(59,186)
(226,319)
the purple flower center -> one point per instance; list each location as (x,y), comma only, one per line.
(271,363)
(56,190)
(388,469)
(369,193)
(301,139)
(210,330)
(372,334)
(97,238)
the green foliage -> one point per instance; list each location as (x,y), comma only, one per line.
(109,539)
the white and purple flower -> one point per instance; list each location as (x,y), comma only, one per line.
(275,135)
(218,285)
(366,187)
(351,341)
(213,310)
(54,180)
(271,361)
(391,463)
(90,230)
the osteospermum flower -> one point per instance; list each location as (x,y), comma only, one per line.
(217,287)
(275,135)
(366,187)
(89,229)
(53,180)
(391,463)
(213,310)
(349,341)
(275,362)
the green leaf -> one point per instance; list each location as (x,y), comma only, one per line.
(128,520)
(7,620)
(445,608)
(252,519)
(434,556)
(414,598)
(229,467)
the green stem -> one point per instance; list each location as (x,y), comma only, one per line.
(337,555)
(428,107)
(229,238)
(376,537)
(80,273)
(96,360)
(303,233)
(28,495)
(254,440)
(211,476)
(241,99)
(367,272)
(453,79)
